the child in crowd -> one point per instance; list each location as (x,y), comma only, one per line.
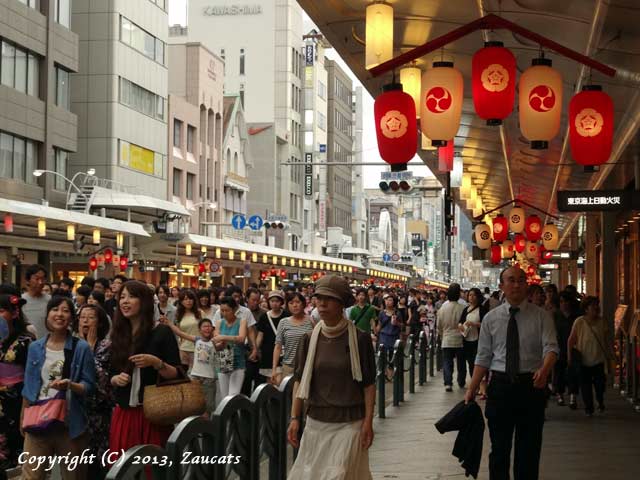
(203,370)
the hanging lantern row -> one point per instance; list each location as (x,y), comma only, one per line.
(493,87)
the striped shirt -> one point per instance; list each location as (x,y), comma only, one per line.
(288,337)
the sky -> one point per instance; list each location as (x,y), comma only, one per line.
(371,174)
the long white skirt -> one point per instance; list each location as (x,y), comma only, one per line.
(331,451)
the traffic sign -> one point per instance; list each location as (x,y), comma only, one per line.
(323,148)
(214,267)
(239,222)
(255,222)
(386,257)
(395,257)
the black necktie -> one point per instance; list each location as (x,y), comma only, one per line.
(513,345)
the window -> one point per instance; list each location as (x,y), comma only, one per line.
(141,99)
(19,69)
(191,181)
(31,3)
(177,182)
(308,139)
(141,40)
(33,75)
(62,12)
(8,64)
(18,158)
(62,89)
(322,90)
(191,138)
(242,61)
(62,164)
(177,133)
(242,94)
(222,54)
(322,121)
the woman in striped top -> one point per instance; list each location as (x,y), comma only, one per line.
(290,331)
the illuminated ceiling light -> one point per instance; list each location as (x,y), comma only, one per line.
(379,34)
(232,254)
(265,258)
(218,253)
(187,249)
(308,265)
(243,256)
(283,261)
(42,228)
(274,260)
(411,80)
(203,249)
(96,236)
(119,241)
(254,257)
(71,232)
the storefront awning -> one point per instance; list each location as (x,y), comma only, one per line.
(105,197)
(69,217)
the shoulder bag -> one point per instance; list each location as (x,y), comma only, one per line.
(361,314)
(170,401)
(609,363)
(44,414)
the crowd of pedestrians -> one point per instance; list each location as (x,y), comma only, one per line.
(97,345)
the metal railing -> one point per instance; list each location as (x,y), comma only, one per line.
(253,429)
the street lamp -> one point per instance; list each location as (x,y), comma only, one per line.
(91,172)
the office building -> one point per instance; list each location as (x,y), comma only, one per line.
(37,128)
(120,93)
(339,148)
(262,49)
(195,134)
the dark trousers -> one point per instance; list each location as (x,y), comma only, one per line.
(470,351)
(573,379)
(514,408)
(252,378)
(560,376)
(448,354)
(592,378)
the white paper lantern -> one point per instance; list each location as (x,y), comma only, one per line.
(516,219)
(550,236)
(483,236)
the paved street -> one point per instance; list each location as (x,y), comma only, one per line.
(408,447)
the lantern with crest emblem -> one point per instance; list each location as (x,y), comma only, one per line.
(493,78)
(441,102)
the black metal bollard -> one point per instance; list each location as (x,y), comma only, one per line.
(397,372)
(422,366)
(382,379)
(634,371)
(438,355)
(401,362)
(412,364)
(432,351)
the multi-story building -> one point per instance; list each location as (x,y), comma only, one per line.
(264,64)
(37,128)
(196,133)
(358,206)
(379,231)
(315,136)
(237,164)
(339,148)
(120,93)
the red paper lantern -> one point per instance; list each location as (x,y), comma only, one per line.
(496,254)
(493,78)
(591,126)
(124,263)
(283,273)
(201,268)
(533,228)
(441,102)
(274,272)
(500,228)
(520,243)
(8,223)
(531,271)
(108,256)
(445,157)
(540,103)
(396,128)
(93,264)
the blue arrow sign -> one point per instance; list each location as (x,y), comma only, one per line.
(386,257)
(255,222)
(239,222)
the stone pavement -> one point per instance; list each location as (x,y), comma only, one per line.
(408,447)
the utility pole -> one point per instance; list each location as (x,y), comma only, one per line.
(448,217)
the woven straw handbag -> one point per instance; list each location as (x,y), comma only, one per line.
(170,401)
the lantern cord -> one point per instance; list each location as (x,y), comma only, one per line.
(514,201)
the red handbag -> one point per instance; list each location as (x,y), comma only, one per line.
(45,414)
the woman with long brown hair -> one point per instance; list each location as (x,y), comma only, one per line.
(188,316)
(140,352)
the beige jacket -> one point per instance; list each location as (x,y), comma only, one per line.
(448,320)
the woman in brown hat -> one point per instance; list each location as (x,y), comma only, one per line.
(335,375)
